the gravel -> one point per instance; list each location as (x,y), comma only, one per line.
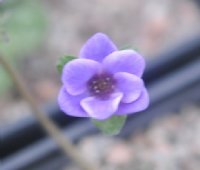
(171,142)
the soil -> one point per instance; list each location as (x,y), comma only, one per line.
(170,142)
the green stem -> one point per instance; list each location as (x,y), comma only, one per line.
(64,143)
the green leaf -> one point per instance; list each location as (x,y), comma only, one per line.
(5,82)
(111,126)
(25,24)
(128,47)
(62,61)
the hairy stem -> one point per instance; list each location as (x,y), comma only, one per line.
(64,143)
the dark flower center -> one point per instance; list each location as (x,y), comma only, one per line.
(101,85)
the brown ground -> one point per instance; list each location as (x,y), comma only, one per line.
(151,26)
(170,143)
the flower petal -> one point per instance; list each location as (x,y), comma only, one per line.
(101,109)
(71,104)
(77,72)
(140,104)
(97,47)
(125,61)
(130,85)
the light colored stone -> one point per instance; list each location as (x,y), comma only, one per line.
(119,154)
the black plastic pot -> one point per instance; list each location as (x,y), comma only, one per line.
(173,79)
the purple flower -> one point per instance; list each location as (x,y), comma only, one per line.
(103,81)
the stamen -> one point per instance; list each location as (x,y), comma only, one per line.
(94,82)
(97,91)
(95,87)
(101,85)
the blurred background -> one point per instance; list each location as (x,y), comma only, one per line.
(34,34)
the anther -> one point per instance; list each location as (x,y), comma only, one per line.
(97,91)
(101,85)
(95,87)
(94,82)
